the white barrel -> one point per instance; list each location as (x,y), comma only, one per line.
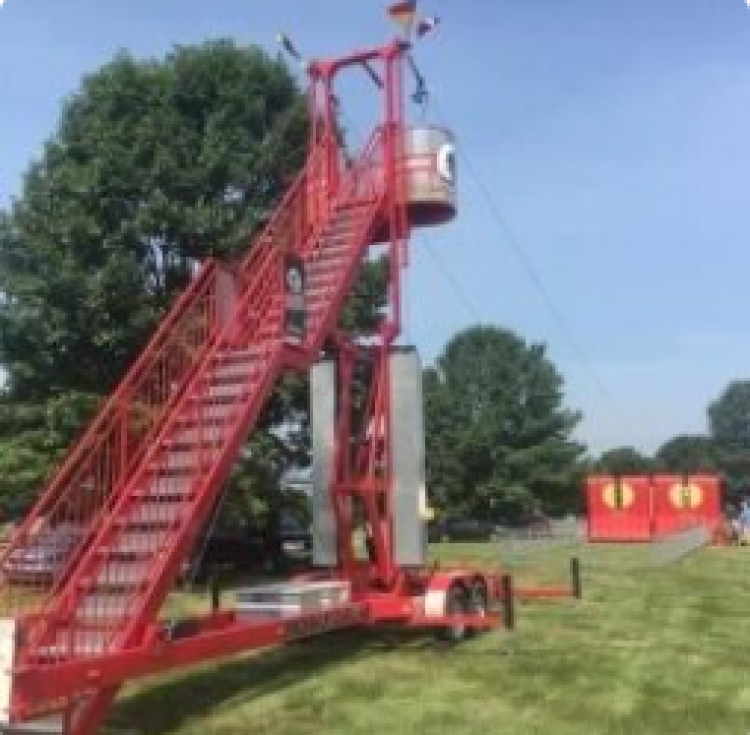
(430,169)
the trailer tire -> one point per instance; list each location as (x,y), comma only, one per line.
(456,603)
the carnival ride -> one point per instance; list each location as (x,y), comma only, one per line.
(137,488)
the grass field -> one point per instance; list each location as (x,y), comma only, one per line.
(648,650)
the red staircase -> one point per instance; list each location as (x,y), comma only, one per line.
(139,486)
(46,546)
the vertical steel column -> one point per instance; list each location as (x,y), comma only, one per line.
(323,409)
(408,486)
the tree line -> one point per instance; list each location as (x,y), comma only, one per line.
(724,449)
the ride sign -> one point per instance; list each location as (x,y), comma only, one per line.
(295,312)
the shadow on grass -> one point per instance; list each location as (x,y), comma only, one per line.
(166,706)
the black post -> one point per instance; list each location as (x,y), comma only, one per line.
(509,612)
(215,585)
(575,578)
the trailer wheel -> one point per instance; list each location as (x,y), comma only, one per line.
(478,601)
(456,603)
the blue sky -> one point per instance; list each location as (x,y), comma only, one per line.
(613,135)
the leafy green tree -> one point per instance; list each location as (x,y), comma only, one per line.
(729,416)
(498,436)
(625,461)
(154,165)
(729,425)
(444,470)
(32,438)
(363,311)
(688,454)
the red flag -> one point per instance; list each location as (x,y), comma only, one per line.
(403,14)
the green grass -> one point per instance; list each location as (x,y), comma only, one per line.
(662,651)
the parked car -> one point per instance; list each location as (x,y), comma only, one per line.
(536,524)
(39,560)
(295,538)
(461,529)
(289,545)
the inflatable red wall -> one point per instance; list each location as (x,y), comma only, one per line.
(619,509)
(686,502)
(641,508)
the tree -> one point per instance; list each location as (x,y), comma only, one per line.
(729,425)
(499,439)
(444,471)
(688,454)
(154,165)
(729,416)
(625,461)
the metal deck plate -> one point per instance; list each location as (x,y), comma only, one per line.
(289,599)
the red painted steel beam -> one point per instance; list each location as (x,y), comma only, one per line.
(217,637)
(328,67)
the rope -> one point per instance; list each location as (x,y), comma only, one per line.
(196,562)
(537,282)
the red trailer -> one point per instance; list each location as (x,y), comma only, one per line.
(686,502)
(120,515)
(619,508)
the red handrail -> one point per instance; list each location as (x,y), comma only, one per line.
(253,308)
(85,481)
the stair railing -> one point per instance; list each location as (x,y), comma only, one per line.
(44,546)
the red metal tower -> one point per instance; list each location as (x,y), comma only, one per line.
(121,513)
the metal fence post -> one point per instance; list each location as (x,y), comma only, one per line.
(215,585)
(509,613)
(575,578)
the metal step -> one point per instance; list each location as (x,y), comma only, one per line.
(154,514)
(118,574)
(321,263)
(243,354)
(234,372)
(192,438)
(349,219)
(98,607)
(328,270)
(167,489)
(75,643)
(135,542)
(348,214)
(336,247)
(224,391)
(174,465)
(210,412)
(320,292)
(342,237)
(214,414)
